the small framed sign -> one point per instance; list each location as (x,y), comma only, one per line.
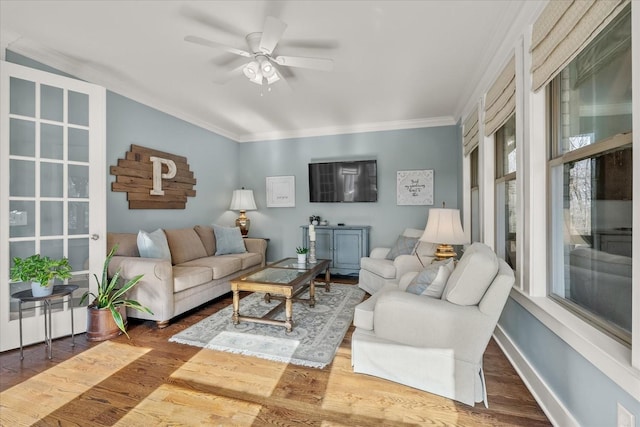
(281,192)
(415,187)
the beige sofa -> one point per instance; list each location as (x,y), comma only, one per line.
(193,276)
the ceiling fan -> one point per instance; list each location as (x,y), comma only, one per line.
(263,65)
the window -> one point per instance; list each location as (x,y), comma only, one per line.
(590,176)
(475,196)
(506,219)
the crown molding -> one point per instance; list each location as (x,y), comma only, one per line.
(7,37)
(120,85)
(347,129)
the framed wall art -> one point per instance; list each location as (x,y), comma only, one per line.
(415,187)
(281,192)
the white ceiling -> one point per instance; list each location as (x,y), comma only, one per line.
(397,64)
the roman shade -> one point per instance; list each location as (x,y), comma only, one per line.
(470,137)
(562,30)
(500,102)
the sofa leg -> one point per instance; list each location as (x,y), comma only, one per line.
(162,324)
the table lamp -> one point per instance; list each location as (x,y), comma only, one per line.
(243,201)
(444,228)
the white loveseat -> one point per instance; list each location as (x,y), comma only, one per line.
(435,344)
(376,271)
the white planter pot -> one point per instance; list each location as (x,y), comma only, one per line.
(38,290)
(302,258)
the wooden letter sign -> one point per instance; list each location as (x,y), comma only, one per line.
(153,179)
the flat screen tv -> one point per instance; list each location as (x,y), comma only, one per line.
(344,181)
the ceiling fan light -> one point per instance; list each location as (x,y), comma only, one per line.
(266,66)
(272,78)
(251,70)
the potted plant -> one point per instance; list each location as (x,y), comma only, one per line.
(302,254)
(106,317)
(40,271)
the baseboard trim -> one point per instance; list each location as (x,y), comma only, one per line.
(555,410)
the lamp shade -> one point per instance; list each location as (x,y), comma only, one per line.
(443,226)
(242,200)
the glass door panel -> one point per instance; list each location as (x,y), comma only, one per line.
(52,189)
(22,178)
(23,98)
(78,145)
(51,103)
(22,135)
(51,141)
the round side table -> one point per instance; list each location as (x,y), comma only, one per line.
(59,292)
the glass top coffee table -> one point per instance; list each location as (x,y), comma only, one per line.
(283,280)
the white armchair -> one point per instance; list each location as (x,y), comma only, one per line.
(432,344)
(376,271)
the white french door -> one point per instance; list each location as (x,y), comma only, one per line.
(52,190)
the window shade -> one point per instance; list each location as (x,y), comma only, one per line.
(501,99)
(470,137)
(563,29)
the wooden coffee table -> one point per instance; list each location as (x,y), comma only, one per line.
(283,280)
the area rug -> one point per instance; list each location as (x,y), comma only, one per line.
(313,342)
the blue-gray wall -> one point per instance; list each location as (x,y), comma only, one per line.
(587,393)
(211,157)
(426,148)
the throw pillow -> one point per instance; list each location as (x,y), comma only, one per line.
(432,280)
(404,246)
(185,245)
(228,240)
(153,245)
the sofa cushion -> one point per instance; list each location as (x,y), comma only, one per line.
(228,240)
(404,246)
(188,277)
(220,266)
(247,259)
(153,245)
(432,279)
(381,267)
(185,245)
(208,238)
(472,276)
(127,244)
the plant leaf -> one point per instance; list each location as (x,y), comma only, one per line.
(117,317)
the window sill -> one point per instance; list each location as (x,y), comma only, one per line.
(608,355)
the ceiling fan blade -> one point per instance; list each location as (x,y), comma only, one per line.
(310,44)
(201,16)
(322,64)
(271,34)
(215,45)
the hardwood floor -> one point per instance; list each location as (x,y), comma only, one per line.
(149,381)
